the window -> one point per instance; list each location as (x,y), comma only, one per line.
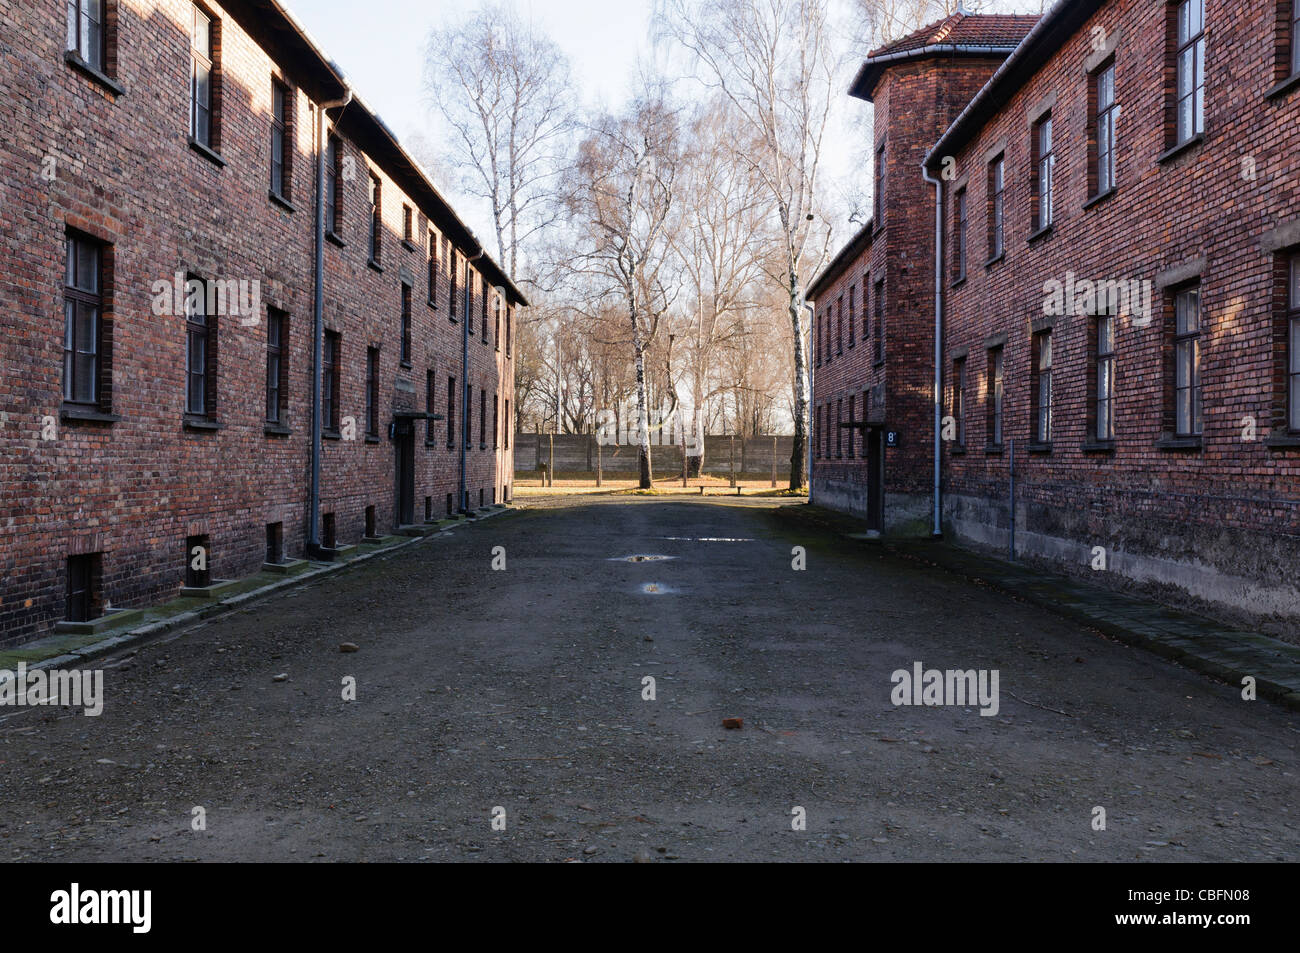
(1044,172)
(1102,173)
(959,400)
(1190,71)
(1293,350)
(510,311)
(1104,378)
(88,32)
(453,265)
(484,292)
(83,306)
(468,404)
(329,383)
(817,431)
(496,324)
(839,327)
(200,352)
(994,398)
(430,386)
(496,422)
(1187,363)
(469,300)
(508,425)
(997,193)
(851,429)
(372,392)
(408,225)
(281,138)
(880,185)
(84,572)
(204,80)
(333,186)
(1042,388)
(820,343)
(1295,37)
(406,325)
(277,354)
(879,329)
(451,412)
(433,270)
(959,237)
(482,419)
(376,218)
(853,314)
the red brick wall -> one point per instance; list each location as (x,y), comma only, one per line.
(929,93)
(135,488)
(1233,504)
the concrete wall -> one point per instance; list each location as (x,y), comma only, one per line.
(577,453)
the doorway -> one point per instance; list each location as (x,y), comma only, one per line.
(876,479)
(404,448)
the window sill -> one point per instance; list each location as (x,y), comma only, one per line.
(201,424)
(959,282)
(375,265)
(1098,446)
(276,430)
(208,153)
(433,304)
(86,413)
(1283,441)
(331,435)
(280,200)
(1039,447)
(994,449)
(431,443)
(879,362)
(1098,198)
(1041,233)
(1288,85)
(408,244)
(1178,443)
(406,365)
(1179,149)
(996,259)
(957,450)
(332,236)
(73,59)
(372,438)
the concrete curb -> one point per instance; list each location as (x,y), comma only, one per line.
(142,634)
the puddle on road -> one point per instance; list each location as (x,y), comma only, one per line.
(706,539)
(640,558)
(657,589)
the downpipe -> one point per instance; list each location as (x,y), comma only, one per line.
(937,530)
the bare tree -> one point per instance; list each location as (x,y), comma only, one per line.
(772,61)
(621,197)
(505,92)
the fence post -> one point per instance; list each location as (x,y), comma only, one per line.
(773,461)
(733,459)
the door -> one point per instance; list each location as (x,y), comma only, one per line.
(876,479)
(404,444)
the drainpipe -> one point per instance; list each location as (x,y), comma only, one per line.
(938,341)
(466,390)
(318,332)
(812,381)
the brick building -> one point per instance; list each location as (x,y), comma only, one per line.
(873,325)
(158,370)
(1120,297)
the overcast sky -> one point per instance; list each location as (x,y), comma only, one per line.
(379,43)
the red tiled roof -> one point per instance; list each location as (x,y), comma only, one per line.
(965,29)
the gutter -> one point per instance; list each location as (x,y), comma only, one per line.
(812,381)
(937,530)
(934,49)
(318,324)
